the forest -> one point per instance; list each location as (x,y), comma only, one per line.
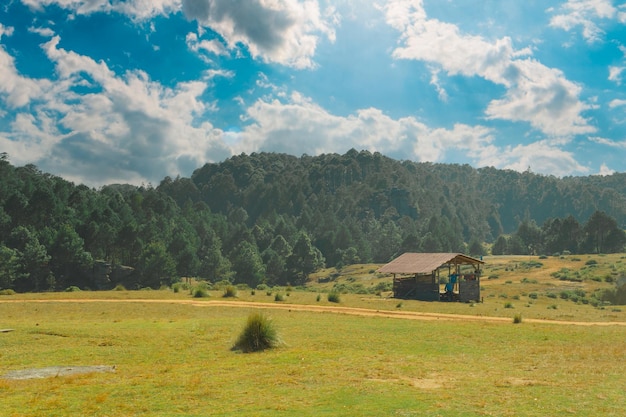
(269,218)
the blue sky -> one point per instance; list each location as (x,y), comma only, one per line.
(110,91)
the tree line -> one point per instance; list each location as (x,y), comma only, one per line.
(274,218)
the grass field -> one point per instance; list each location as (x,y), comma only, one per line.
(174,359)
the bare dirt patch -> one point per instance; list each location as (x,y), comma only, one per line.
(56,371)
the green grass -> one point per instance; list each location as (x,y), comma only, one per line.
(176,360)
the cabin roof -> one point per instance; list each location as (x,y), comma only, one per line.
(425,263)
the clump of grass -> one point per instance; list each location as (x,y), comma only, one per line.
(553,307)
(72,288)
(533,295)
(119,287)
(200,292)
(334,297)
(279,297)
(319,297)
(399,305)
(259,334)
(7,291)
(517,318)
(230,291)
(508,305)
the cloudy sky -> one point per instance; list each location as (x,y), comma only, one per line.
(105,91)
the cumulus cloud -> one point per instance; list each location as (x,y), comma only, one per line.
(535,94)
(16,90)
(128,129)
(586,13)
(280,31)
(297,125)
(136,9)
(541,157)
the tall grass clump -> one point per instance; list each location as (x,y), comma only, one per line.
(517,318)
(200,292)
(258,334)
(230,291)
(334,297)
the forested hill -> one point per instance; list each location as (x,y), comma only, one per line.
(478,203)
(275,218)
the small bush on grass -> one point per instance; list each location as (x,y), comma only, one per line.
(230,291)
(508,305)
(533,295)
(319,297)
(7,291)
(279,297)
(517,318)
(334,297)
(200,292)
(259,334)
(72,288)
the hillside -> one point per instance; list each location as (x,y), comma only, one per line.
(274,218)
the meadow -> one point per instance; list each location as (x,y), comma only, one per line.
(173,357)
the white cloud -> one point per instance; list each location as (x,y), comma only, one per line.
(609,142)
(617,103)
(615,72)
(298,125)
(586,13)
(541,157)
(535,94)
(605,170)
(129,129)
(205,47)
(280,31)
(135,9)
(16,90)
(45,32)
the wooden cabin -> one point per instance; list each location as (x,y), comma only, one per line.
(435,276)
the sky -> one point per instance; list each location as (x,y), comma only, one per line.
(113,91)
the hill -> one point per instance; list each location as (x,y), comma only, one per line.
(274,218)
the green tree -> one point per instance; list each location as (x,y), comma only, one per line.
(9,267)
(602,234)
(247,264)
(156,266)
(304,259)
(69,261)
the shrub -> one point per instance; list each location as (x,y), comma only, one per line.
(517,318)
(262,287)
(200,292)
(258,334)
(279,297)
(508,305)
(230,292)
(551,295)
(252,292)
(319,297)
(334,297)
(533,295)
(119,287)
(72,288)
(399,305)
(7,291)
(553,307)
(591,262)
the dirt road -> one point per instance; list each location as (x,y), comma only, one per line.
(406,315)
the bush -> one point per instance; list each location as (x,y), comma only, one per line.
(72,288)
(517,318)
(279,297)
(200,292)
(508,305)
(319,297)
(8,291)
(334,297)
(230,291)
(259,334)
(533,295)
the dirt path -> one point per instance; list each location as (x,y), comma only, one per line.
(406,315)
